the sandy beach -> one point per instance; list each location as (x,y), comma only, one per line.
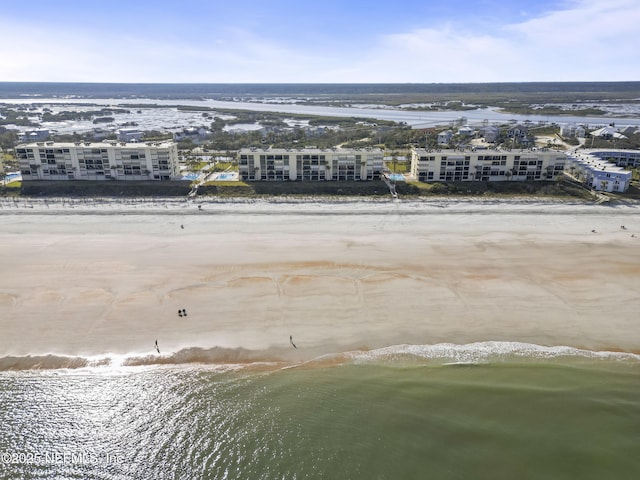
(110,281)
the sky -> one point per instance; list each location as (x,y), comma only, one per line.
(328,41)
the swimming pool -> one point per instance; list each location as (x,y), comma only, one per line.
(190,176)
(226,176)
(12,176)
(396,177)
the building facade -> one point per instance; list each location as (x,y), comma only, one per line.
(490,133)
(310,164)
(129,135)
(445,137)
(38,135)
(598,173)
(485,165)
(571,130)
(621,157)
(194,134)
(98,161)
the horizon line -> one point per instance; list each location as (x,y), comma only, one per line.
(318,83)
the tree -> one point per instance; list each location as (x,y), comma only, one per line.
(218,124)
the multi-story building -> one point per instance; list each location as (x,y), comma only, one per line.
(129,135)
(37,135)
(619,156)
(310,164)
(485,165)
(490,133)
(98,161)
(571,130)
(596,172)
(445,137)
(192,133)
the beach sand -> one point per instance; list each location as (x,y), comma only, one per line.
(362,278)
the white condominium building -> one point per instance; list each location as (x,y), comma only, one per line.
(98,161)
(621,157)
(601,175)
(310,164)
(485,165)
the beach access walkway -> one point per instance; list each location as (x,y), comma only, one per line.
(391,186)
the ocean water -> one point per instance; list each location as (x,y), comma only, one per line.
(484,411)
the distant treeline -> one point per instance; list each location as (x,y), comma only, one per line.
(214,90)
(88,115)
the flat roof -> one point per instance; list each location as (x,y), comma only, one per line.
(489,151)
(96,144)
(597,163)
(308,150)
(598,151)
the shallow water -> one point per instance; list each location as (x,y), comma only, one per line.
(164,114)
(388,415)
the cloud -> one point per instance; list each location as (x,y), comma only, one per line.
(584,40)
(591,41)
(240,56)
(229,55)
(65,54)
(437,55)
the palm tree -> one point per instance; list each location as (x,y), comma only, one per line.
(394,160)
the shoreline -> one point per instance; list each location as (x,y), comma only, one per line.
(442,354)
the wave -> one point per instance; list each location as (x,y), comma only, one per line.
(186,356)
(443,354)
(484,353)
(210,356)
(49,362)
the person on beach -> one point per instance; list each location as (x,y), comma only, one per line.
(291,341)
(179,312)
(184,312)
(157,348)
